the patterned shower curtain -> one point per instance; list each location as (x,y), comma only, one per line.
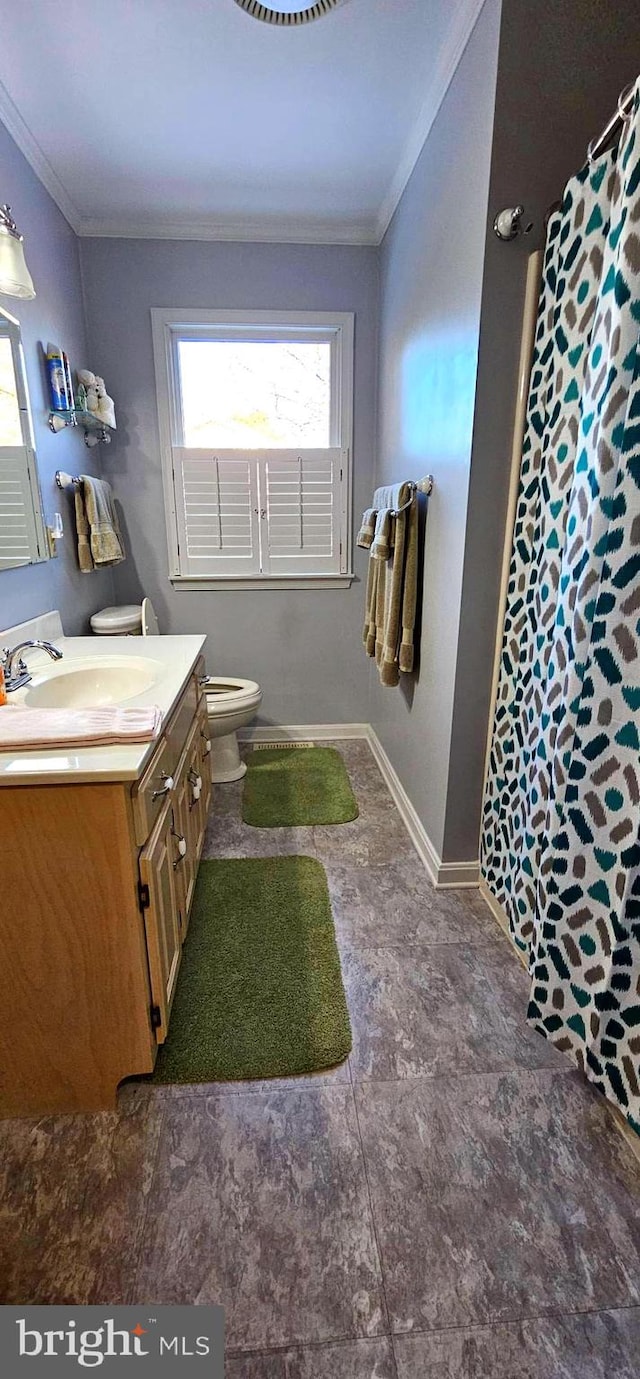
(561,819)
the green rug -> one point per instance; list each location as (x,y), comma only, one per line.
(260,992)
(295,787)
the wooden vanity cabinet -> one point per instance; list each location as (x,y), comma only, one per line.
(99,880)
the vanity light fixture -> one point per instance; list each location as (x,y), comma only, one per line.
(288,13)
(15,278)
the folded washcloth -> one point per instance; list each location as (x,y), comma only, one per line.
(382,544)
(23,728)
(367,528)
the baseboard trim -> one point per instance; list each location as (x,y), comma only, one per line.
(500,917)
(445,875)
(303,732)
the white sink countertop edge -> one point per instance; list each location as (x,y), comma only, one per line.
(77,765)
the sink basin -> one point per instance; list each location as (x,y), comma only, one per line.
(92,685)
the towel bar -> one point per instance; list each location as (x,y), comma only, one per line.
(422,486)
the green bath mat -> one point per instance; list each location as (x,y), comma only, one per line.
(296,787)
(260,992)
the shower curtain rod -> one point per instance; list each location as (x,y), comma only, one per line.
(612,128)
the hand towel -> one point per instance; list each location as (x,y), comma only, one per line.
(85,560)
(24,729)
(107,546)
(367,528)
(382,544)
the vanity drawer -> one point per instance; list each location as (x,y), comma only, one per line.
(178,727)
(146,809)
(200,676)
(150,792)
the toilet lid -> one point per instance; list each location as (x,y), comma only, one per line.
(150,626)
(125,617)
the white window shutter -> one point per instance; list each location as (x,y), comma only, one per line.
(18,530)
(303,502)
(217,513)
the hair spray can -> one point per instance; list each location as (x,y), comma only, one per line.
(57,385)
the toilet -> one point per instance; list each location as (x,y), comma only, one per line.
(231,703)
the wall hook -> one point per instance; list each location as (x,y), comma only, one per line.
(507,223)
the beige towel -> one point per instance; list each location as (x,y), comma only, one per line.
(85,560)
(367,528)
(107,546)
(382,544)
(23,728)
(392,593)
(369,630)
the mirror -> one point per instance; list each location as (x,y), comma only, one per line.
(23,539)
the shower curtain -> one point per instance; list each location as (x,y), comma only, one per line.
(560,847)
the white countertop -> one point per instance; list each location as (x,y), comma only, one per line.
(176,657)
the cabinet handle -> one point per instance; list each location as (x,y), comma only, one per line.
(167,787)
(182,847)
(196,785)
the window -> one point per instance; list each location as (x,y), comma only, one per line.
(255,426)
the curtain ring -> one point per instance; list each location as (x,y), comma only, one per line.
(622,101)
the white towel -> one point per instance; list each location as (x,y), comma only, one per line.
(22,728)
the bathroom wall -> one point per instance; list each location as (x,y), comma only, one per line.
(304,646)
(431,286)
(560,70)
(451,314)
(55,314)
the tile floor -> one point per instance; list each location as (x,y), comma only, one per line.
(452,1203)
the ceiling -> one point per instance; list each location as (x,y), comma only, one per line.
(190,119)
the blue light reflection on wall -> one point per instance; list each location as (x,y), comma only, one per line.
(438,392)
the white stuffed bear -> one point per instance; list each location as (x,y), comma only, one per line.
(89,380)
(106,406)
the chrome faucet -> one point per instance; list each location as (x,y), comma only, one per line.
(16,673)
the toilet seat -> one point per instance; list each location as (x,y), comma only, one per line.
(227,695)
(117,621)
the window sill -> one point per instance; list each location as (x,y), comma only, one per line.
(272,582)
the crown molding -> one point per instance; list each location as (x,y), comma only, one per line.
(29,146)
(268,231)
(460,31)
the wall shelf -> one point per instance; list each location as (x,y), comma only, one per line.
(92,425)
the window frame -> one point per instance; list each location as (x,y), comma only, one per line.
(169,325)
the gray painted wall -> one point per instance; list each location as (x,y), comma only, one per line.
(561,67)
(304,647)
(55,314)
(431,285)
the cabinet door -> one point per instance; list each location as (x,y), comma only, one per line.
(204,767)
(186,863)
(204,749)
(200,793)
(161,918)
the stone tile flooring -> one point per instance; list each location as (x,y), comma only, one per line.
(454,1202)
